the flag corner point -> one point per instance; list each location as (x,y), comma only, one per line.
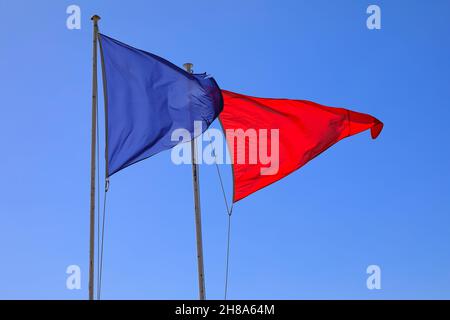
(376,129)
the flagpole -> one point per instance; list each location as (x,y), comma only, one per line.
(95,20)
(198,216)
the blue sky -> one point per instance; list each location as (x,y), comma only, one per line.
(311,235)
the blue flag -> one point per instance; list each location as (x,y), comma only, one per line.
(146,99)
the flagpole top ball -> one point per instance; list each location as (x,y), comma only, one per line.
(188,66)
(95,18)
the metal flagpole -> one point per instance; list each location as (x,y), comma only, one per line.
(95,20)
(198,217)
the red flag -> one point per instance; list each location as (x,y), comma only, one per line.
(270,138)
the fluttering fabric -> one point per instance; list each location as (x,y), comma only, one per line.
(147,98)
(302,130)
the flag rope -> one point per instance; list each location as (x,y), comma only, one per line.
(229,213)
(98,197)
(99,289)
(229,208)
(228,256)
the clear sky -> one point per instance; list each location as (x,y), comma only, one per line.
(311,235)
